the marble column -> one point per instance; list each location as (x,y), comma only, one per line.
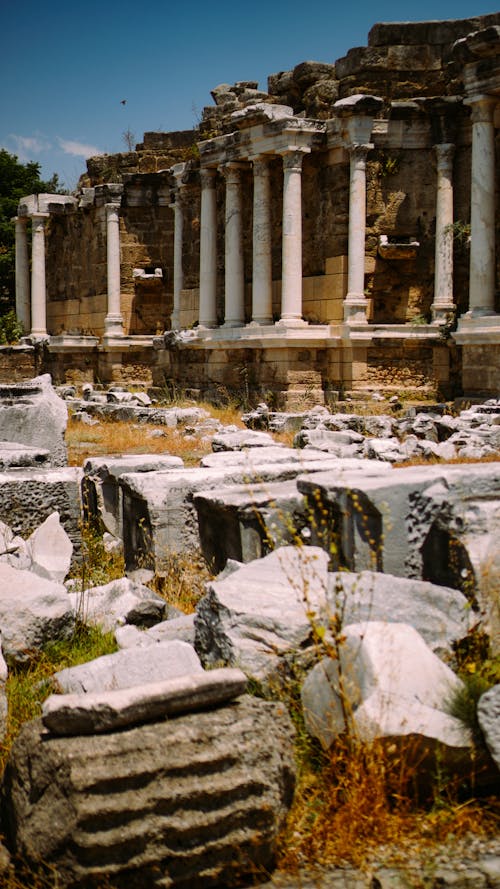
(178,208)
(291,275)
(113,323)
(38,290)
(442,306)
(355,303)
(23,311)
(208,249)
(262,285)
(482,222)
(234,277)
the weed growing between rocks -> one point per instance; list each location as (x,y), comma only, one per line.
(182,581)
(28,685)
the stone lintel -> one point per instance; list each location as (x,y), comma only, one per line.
(66,342)
(44,203)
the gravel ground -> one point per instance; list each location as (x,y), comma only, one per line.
(468,863)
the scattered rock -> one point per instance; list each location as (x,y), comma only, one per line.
(391,685)
(33,611)
(129,667)
(260,612)
(488,714)
(119,602)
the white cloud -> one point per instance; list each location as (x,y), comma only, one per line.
(78,149)
(26,147)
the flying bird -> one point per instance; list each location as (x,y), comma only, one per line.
(123,102)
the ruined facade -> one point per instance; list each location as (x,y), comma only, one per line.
(335,233)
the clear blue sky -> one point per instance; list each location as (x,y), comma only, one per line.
(66,66)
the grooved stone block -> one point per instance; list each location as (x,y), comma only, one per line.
(195,801)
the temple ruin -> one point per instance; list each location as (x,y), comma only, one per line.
(334,234)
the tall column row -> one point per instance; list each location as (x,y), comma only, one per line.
(291,299)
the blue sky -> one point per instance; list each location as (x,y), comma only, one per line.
(65,67)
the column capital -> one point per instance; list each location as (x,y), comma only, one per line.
(232,172)
(112,210)
(292,159)
(39,217)
(261,165)
(358,151)
(207,177)
(482,107)
(445,152)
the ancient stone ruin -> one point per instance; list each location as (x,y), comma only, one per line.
(335,232)
(153,766)
(331,236)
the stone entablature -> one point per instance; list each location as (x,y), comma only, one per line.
(269,226)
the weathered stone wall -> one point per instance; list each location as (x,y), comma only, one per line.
(402,61)
(19,363)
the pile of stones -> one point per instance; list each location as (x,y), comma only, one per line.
(153,766)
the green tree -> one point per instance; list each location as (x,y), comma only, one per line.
(16,181)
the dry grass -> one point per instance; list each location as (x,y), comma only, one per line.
(361,799)
(182,582)
(117,437)
(433,460)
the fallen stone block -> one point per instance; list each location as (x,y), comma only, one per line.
(194,801)
(181,628)
(241,440)
(33,611)
(50,549)
(262,611)
(441,615)
(101,494)
(116,603)
(29,496)
(129,667)
(14,455)
(435,523)
(31,413)
(387,683)
(88,714)
(488,714)
(160,517)
(246,522)
(271,454)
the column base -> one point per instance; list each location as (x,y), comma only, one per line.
(260,322)
(443,314)
(291,323)
(236,322)
(355,309)
(113,325)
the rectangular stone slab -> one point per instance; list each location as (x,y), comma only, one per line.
(88,714)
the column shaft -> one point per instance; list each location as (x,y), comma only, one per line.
(178,270)
(443,306)
(355,305)
(482,248)
(23,311)
(234,315)
(262,288)
(291,276)
(208,250)
(38,290)
(113,323)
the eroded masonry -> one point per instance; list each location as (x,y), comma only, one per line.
(335,233)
